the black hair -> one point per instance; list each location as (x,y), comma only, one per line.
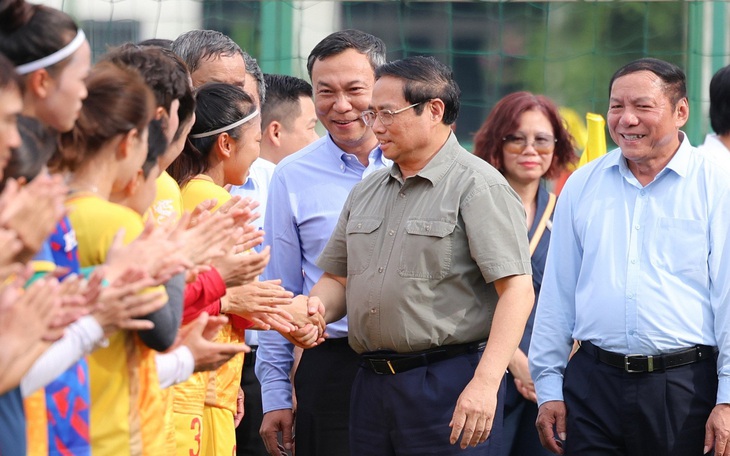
(157,42)
(38,145)
(425,78)
(163,71)
(218,105)
(282,98)
(156,145)
(29,32)
(675,82)
(184,113)
(338,42)
(720,101)
(8,77)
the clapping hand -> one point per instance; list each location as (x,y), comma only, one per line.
(32,211)
(121,304)
(155,251)
(199,337)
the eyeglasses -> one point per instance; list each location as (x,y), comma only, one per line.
(386,115)
(543,145)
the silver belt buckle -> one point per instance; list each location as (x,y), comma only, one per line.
(649,363)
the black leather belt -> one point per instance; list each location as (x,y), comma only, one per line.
(650,363)
(391,363)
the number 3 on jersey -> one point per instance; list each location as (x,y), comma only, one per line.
(196,425)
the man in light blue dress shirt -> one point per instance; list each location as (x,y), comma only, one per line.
(306,195)
(638,272)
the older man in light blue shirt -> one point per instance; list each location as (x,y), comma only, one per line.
(638,264)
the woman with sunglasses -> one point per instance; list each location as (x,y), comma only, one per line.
(525,139)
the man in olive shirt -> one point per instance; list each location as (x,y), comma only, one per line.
(429,254)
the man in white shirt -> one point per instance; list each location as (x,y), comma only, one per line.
(717,144)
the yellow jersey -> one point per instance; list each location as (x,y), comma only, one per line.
(167,207)
(224,383)
(168,203)
(126,400)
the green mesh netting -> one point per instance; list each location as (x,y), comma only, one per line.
(566,50)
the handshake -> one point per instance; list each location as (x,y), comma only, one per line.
(308,317)
(300,319)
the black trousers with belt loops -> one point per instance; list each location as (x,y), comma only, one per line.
(323,383)
(612,412)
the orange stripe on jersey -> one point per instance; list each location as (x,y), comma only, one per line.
(37,423)
(222,392)
(149,403)
(223,387)
(126,405)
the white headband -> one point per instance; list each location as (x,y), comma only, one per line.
(227,127)
(54,58)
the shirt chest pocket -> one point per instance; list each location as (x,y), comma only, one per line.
(427,249)
(679,246)
(361,237)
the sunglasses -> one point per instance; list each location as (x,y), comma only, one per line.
(543,144)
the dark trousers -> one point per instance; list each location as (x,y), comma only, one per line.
(248,440)
(408,414)
(520,434)
(612,412)
(323,383)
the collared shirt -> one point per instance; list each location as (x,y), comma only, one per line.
(306,195)
(636,269)
(420,254)
(257,188)
(714,147)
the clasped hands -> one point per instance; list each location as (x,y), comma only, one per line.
(308,316)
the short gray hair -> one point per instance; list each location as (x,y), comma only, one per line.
(198,45)
(252,68)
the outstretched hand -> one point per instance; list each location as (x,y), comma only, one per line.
(198,336)
(260,303)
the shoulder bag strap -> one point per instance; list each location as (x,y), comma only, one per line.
(537,235)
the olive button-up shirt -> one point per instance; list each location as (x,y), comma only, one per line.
(421,254)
